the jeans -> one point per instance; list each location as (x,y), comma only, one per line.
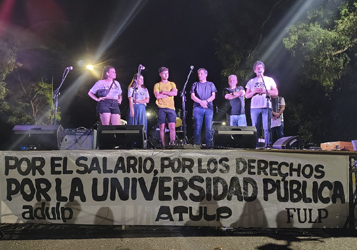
(140,116)
(255,114)
(237,120)
(276,133)
(200,114)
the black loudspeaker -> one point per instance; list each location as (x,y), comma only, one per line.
(79,139)
(121,137)
(289,142)
(37,137)
(234,136)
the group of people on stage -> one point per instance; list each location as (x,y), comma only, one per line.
(263,92)
(108,95)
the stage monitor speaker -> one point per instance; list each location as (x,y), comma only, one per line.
(37,137)
(234,136)
(289,142)
(121,137)
(79,139)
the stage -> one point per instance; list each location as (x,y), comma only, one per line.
(219,188)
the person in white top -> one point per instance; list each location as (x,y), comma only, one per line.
(138,96)
(260,105)
(108,95)
(277,121)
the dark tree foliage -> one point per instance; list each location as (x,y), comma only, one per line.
(317,79)
(325,43)
(25,96)
(243,26)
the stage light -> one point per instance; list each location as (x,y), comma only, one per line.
(124,14)
(148,114)
(93,68)
(90,67)
(224,123)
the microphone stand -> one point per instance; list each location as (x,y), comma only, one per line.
(268,99)
(183,96)
(135,91)
(57,93)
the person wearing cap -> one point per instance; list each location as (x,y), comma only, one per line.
(257,89)
(203,93)
(164,92)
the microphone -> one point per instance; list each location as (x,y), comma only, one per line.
(260,72)
(191,67)
(142,67)
(216,109)
(69,68)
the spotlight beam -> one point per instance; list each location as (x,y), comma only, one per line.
(125,14)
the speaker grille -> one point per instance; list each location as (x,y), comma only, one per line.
(37,137)
(234,136)
(121,137)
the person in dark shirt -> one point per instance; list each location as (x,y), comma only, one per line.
(203,93)
(235,95)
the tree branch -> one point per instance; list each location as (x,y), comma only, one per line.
(262,29)
(344,49)
(21,83)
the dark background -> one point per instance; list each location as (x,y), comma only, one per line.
(175,34)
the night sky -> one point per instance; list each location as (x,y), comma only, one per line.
(56,34)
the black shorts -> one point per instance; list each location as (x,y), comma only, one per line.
(108,106)
(162,113)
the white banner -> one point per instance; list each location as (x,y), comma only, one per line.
(230,188)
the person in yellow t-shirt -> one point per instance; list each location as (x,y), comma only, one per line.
(164,92)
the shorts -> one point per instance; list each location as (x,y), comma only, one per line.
(108,106)
(162,113)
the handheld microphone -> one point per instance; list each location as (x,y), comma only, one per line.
(260,72)
(142,67)
(69,68)
(191,67)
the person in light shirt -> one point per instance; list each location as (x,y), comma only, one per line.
(138,96)
(108,104)
(260,105)
(277,121)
